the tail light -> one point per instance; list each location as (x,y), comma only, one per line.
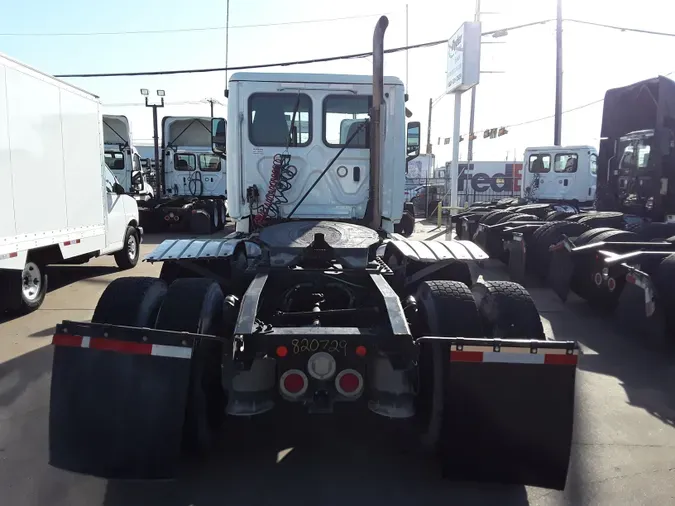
(349,383)
(293,383)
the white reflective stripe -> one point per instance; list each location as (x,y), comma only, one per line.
(514,358)
(161,350)
(85,341)
(514,350)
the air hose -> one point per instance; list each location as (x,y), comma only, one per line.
(193,180)
(280,182)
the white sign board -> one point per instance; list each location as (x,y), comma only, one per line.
(463,59)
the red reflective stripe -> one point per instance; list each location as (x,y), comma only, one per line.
(67,340)
(466,356)
(13,254)
(99,343)
(68,243)
(561,359)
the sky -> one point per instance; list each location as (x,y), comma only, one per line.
(594,59)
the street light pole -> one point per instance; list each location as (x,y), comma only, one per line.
(158,174)
(557,128)
(472,114)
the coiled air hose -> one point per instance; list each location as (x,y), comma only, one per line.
(280,182)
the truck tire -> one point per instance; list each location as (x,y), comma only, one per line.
(586,237)
(447,309)
(127,257)
(507,311)
(614,220)
(651,231)
(196,305)
(539,210)
(25,290)
(576,217)
(518,217)
(494,217)
(200,222)
(131,301)
(546,236)
(558,215)
(664,281)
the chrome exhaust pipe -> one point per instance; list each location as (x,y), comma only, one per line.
(376,140)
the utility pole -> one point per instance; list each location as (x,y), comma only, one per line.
(227,45)
(473,101)
(211,101)
(160,93)
(557,129)
(406,51)
(431,105)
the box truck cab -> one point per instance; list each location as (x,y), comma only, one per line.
(122,157)
(60,202)
(560,174)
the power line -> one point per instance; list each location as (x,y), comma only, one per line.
(288,63)
(177,30)
(621,28)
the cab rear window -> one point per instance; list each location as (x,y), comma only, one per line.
(271,119)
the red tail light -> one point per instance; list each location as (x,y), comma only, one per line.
(293,383)
(349,383)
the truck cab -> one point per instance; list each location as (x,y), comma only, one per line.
(191,168)
(314,126)
(560,174)
(120,155)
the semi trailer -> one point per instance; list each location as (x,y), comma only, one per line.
(60,202)
(314,303)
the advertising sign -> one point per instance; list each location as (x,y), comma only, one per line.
(463,71)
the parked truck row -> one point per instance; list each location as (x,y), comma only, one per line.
(621,252)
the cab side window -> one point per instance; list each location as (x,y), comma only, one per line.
(110,180)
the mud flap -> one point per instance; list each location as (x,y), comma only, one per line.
(560,272)
(508,410)
(117,406)
(517,248)
(480,236)
(638,311)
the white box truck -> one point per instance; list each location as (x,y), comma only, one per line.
(59,202)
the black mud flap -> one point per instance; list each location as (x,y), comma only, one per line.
(508,411)
(117,406)
(480,236)
(517,248)
(638,311)
(560,272)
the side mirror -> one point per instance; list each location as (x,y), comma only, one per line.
(218,135)
(137,182)
(413,141)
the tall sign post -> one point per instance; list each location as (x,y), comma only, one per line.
(463,74)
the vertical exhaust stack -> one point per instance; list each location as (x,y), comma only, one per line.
(376,143)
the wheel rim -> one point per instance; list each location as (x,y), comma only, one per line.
(31,285)
(132,247)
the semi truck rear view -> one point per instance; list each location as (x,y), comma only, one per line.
(59,201)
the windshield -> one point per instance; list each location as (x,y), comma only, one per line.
(114,160)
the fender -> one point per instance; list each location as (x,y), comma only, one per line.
(195,249)
(436,251)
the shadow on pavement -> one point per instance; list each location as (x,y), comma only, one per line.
(643,367)
(323,463)
(59,276)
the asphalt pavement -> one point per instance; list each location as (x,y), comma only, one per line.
(622,454)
